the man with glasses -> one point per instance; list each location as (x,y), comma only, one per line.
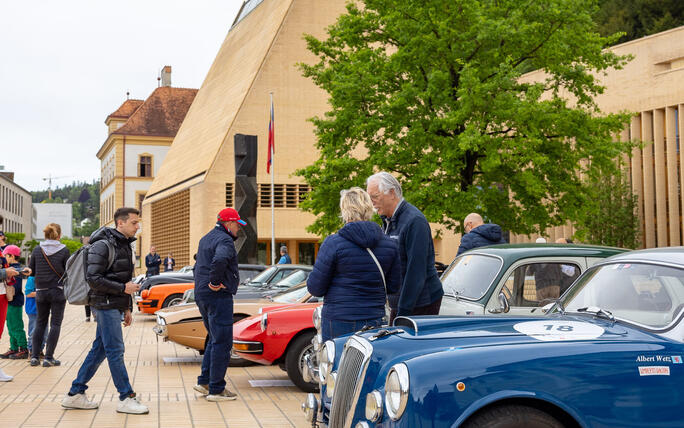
(421,291)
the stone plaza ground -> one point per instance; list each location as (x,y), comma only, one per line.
(162,374)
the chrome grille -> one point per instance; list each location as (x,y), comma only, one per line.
(350,375)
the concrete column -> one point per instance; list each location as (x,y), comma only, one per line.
(672,178)
(649,179)
(660,177)
(637,171)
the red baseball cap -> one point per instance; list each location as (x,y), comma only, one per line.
(13,250)
(230,214)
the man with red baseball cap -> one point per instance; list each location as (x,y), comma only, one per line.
(216,281)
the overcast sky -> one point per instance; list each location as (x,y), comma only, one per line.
(66,65)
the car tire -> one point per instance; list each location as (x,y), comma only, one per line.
(293,361)
(512,416)
(172,300)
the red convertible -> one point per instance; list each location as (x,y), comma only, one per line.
(280,336)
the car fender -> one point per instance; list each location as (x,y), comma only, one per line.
(504,395)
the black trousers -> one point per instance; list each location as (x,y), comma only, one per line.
(87,310)
(50,305)
(431,309)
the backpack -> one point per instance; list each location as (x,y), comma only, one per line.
(75,285)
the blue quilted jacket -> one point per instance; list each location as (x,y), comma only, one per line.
(348,278)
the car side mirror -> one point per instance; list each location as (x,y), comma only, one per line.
(504,307)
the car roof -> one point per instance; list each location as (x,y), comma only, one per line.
(669,255)
(289,265)
(547,250)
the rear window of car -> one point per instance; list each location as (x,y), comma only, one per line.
(471,275)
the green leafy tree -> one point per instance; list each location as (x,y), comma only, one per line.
(432,91)
(14,239)
(71,244)
(610,216)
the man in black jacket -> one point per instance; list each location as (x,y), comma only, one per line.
(110,299)
(152,262)
(478,234)
(421,290)
(216,281)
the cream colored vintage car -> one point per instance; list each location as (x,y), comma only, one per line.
(183,324)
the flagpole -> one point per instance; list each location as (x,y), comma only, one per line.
(270,148)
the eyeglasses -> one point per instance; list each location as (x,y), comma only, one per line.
(375,196)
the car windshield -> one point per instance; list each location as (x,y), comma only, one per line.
(294,278)
(646,294)
(470,275)
(189,296)
(292,295)
(265,275)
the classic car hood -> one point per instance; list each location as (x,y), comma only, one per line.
(491,330)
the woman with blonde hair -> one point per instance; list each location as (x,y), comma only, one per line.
(355,269)
(48,262)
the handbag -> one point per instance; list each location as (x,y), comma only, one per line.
(388,310)
(9,292)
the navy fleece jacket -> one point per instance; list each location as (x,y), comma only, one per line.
(421,285)
(346,275)
(485,234)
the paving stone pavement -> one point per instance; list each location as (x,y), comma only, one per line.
(33,398)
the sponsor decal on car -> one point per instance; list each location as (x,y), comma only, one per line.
(554,331)
(674,359)
(654,371)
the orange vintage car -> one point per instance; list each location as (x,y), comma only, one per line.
(162,296)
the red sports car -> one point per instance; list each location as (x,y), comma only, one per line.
(280,336)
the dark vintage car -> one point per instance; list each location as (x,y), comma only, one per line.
(516,279)
(608,353)
(185,275)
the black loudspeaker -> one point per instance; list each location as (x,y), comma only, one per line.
(246,196)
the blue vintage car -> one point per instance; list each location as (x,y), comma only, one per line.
(607,354)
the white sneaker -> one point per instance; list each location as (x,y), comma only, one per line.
(78,401)
(202,389)
(133,406)
(5,377)
(225,395)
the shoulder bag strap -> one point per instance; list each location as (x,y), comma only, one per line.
(379,268)
(47,259)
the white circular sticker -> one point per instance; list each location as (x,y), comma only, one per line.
(552,331)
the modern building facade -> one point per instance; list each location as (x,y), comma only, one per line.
(139,134)
(652,87)
(258,57)
(46,213)
(15,206)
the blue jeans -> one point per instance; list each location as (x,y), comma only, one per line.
(217,314)
(31,327)
(331,329)
(108,343)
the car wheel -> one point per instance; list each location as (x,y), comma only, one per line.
(236,361)
(172,300)
(294,361)
(512,416)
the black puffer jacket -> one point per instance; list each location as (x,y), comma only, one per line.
(107,285)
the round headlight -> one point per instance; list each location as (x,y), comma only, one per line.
(330,384)
(264,322)
(374,406)
(326,358)
(396,390)
(316,318)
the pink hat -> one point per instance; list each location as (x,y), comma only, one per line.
(13,250)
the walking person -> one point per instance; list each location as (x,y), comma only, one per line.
(284,257)
(5,273)
(421,290)
(48,262)
(478,234)
(110,299)
(169,263)
(152,262)
(15,321)
(354,270)
(216,281)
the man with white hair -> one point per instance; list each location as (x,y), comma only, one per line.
(479,234)
(421,291)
